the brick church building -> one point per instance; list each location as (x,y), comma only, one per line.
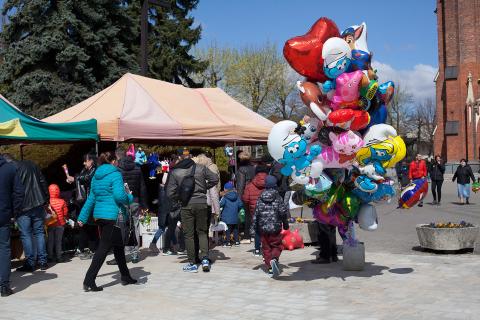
(458,25)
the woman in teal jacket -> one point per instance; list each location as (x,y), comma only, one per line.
(107,200)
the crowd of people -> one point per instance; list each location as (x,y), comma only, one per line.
(110,198)
(434,169)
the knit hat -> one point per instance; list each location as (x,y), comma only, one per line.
(228,186)
(270,182)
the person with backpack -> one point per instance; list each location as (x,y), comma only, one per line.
(230,206)
(252,192)
(187,188)
(270,215)
(55,231)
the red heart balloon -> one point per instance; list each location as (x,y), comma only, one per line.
(304,53)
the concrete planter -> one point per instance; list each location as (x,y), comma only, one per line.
(354,257)
(447,238)
(308,230)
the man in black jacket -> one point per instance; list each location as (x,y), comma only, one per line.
(195,214)
(133,176)
(32,218)
(11,200)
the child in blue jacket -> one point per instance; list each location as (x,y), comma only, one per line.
(230,205)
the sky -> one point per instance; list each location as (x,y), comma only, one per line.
(402,35)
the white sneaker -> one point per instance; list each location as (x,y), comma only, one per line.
(168,253)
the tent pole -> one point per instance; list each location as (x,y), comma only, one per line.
(235,155)
(21,152)
(96,147)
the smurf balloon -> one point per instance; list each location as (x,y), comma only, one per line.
(356,37)
(337,57)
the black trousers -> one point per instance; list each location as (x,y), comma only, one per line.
(110,237)
(88,237)
(437,190)
(327,239)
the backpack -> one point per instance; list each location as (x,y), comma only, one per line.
(187,187)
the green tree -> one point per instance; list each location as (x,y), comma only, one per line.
(171,36)
(219,60)
(58,53)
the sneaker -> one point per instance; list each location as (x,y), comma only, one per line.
(225,245)
(43,266)
(6,291)
(237,244)
(168,253)
(190,267)
(86,255)
(135,259)
(26,268)
(257,253)
(153,248)
(275,269)
(112,262)
(182,253)
(206,265)
(270,273)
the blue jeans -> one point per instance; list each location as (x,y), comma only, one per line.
(157,235)
(5,256)
(31,225)
(257,241)
(463,190)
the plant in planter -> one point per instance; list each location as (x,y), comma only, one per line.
(447,236)
(146,219)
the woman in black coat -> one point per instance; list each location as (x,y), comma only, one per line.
(463,175)
(436,170)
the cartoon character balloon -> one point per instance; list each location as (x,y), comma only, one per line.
(291,240)
(413,193)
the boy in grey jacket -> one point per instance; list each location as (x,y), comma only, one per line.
(269,217)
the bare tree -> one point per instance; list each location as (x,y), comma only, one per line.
(399,108)
(252,75)
(423,123)
(219,60)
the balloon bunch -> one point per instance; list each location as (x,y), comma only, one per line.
(341,152)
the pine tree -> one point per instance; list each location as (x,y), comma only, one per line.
(170,40)
(58,53)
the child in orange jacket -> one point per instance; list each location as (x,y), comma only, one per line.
(55,231)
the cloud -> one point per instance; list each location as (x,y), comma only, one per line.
(418,81)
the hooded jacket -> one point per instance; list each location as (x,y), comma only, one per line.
(213,194)
(11,192)
(437,170)
(134,177)
(204,180)
(245,174)
(270,213)
(107,197)
(58,205)
(231,204)
(253,190)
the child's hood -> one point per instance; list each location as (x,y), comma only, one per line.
(269,195)
(54,191)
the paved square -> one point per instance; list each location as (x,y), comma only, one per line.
(397,283)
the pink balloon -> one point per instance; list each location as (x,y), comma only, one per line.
(347,90)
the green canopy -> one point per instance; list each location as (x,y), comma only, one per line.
(16,126)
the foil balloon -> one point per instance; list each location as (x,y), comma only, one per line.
(343,150)
(413,193)
(378,115)
(347,90)
(304,53)
(318,188)
(367,217)
(349,119)
(356,37)
(350,204)
(337,57)
(332,216)
(312,97)
(383,192)
(476,187)
(386,91)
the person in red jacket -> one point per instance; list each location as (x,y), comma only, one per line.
(55,231)
(252,192)
(418,170)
